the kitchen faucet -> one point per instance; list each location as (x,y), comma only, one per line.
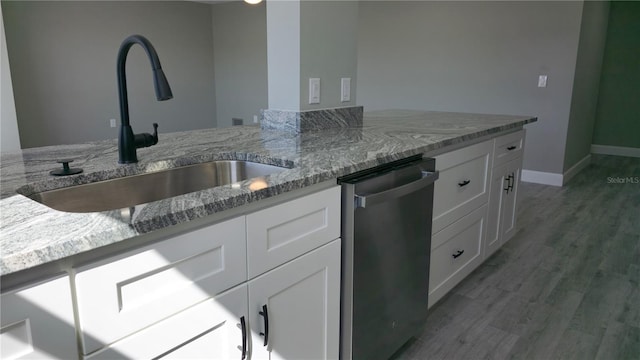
(128,142)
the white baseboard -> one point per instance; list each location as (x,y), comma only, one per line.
(554,179)
(540,177)
(586,161)
(615,150)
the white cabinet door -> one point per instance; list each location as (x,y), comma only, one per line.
(496,203)
(37,322)
(300,301)
(505,181)
(514,168)
(209,330)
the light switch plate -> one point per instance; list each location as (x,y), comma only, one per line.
(542,81)
(345,89)
(314,90)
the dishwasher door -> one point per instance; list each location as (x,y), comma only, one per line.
(386,232)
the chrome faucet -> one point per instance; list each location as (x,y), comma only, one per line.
(128,142)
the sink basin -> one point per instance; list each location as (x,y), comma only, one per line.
(139,189)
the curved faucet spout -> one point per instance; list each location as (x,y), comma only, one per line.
(126,142)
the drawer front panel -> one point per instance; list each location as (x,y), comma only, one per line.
(284,232)
(37,322)
(208,330)
(463,184)
(508,147)
(456,252)
(125,294)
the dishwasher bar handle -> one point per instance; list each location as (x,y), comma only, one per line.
(428,178)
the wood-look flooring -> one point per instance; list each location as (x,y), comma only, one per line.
(566,286)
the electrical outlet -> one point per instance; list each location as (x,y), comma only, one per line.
(255,119)
(112,122)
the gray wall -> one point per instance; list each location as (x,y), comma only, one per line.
(328,50)
(311,39)
(474,57)
(9,137)
(240,60)
(618,115)
(586,83)
(63,60)
(283,54)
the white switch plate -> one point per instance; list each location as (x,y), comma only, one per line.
(345,89)
(314,90)
(112,122)
(542,81)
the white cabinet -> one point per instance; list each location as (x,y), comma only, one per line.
(119,296)
(295,309)
(459,216)
(508,147)
(474,211)
(456,252)
(283,232)
(198,295)
(211,329)
(510,208)
(463,184)
(505,180)
(37,322)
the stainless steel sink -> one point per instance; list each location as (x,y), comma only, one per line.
(139,189)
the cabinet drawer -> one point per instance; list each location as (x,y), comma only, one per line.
(456,251)
(463,184)
(124,294)
(37,322)
(508,147)
(284,232)
(208,330)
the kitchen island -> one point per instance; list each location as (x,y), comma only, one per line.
(199,275)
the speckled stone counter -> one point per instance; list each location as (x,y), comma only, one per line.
(32,234)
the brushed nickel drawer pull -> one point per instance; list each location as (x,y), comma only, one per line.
(511,148)
(464,183)
(458,253)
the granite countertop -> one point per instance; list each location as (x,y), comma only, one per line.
(32,234)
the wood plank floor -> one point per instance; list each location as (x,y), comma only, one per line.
(566,286)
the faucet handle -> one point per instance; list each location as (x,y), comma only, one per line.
(146,139)
(155,133)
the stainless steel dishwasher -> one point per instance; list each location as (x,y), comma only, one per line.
(386,245)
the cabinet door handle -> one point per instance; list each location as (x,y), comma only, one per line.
(464,183)
(457,254)
(512,179)
(511,148)
(243,326)
(265,315)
